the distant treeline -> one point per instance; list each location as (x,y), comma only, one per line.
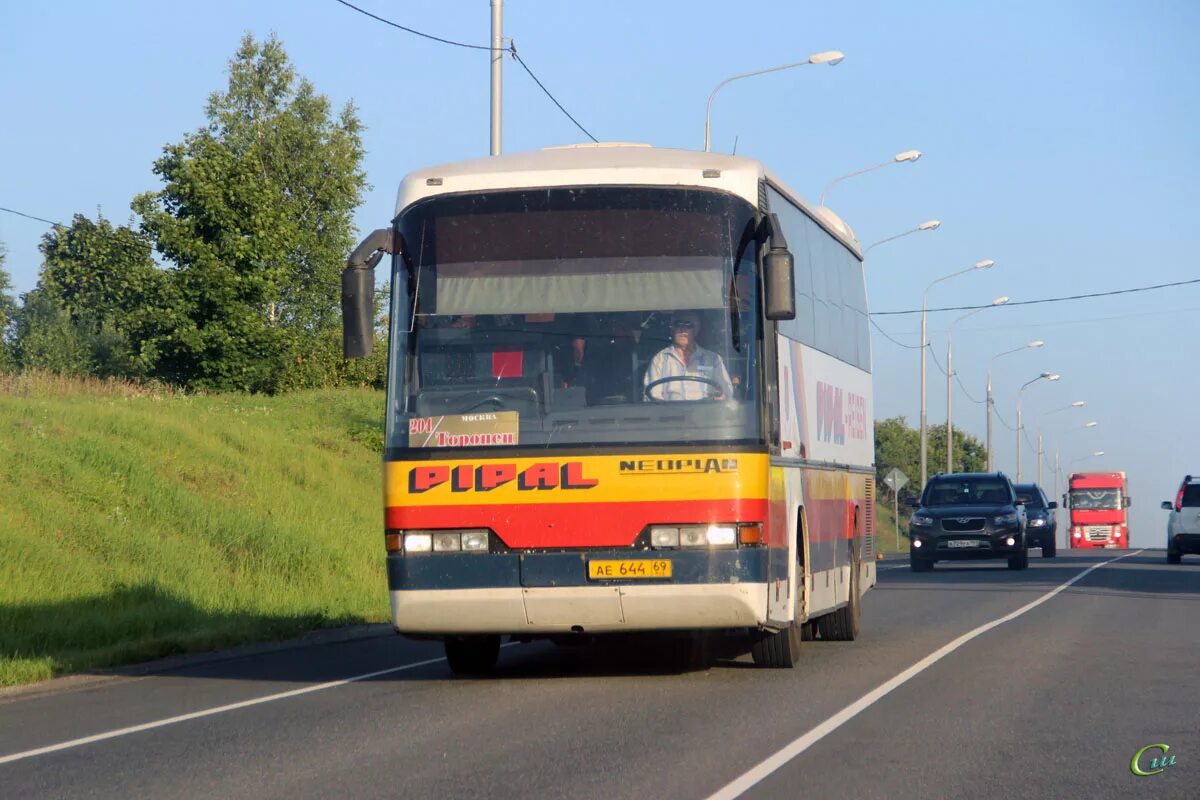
(226,278)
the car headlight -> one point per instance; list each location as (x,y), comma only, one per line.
(1005,519)
(1037,523)
(921,520)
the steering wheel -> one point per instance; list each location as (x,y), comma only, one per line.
(672,378)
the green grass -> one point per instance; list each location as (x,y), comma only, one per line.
(136,523)
(885,530)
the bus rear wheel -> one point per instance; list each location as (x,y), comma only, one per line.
(472,655)
(777,650)
(842,625)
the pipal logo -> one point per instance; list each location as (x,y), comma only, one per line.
(1145,762)
(486,477)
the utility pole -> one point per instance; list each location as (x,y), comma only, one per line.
(989,420)
(949,407)
(924,423)
(497,72)
(1040,456)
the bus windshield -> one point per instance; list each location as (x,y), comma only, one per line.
(580,315)
(1095,499)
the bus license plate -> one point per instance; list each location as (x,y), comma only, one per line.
(962,543)
(629,568)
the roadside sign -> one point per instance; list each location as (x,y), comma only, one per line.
(895,479)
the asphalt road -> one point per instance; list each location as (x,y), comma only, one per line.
(1053,702)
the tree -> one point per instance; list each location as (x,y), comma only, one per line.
(256,215)
(104,280)
(8,313)
(899,446)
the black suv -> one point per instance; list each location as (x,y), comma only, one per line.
(967,516)
(1041,525)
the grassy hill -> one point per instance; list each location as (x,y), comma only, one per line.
(136,523)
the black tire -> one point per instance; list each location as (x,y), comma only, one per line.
(472,655)
(777,650)
(842,625)
(1049,549)
(919,564)
(1020,560)
(1174,557)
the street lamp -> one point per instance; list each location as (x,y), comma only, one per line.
(830,57)
(1041,452)
(985,264)
(927,225)
(907,157)
(999,301)
(990,403)
(1049,376)
(1096,454)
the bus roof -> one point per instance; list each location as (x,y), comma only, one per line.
(610,163)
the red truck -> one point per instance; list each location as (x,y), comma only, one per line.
(1096,502)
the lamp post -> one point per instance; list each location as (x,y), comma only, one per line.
(1096,454)
(1076,404)
(999,301)
(1048,376)
(927,225)
(985,264)
(830,57)
(907,157)
(990,403)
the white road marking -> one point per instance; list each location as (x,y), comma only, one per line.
(208,712)
(772,763)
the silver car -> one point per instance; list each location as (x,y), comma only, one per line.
(1183,526)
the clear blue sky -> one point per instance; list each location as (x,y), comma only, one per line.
(1059,140)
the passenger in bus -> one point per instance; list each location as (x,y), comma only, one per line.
(697,373)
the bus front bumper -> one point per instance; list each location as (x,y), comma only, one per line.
(551,592)
(579,609)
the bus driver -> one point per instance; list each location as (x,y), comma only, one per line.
(692,372)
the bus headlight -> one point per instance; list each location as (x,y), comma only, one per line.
(447,542)
(415,542)
(662,536)
(720,535)
(475,541)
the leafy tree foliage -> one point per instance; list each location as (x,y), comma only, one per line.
(102,282)
(899,446)
(256,215)
(8,313)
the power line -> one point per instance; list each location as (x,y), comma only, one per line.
(936,363)
(519,60)
(1046,299)
(893,341)
(29,216)
(958,380)
(418,33)
(1002,422)
(512,50)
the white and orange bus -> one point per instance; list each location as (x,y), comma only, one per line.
(542,480)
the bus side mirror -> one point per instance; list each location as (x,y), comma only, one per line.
(1065,504)
(1128,502)
(779,275)
(1052,505)
(1167,505)
(358,293)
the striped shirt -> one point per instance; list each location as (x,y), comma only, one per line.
(702,364)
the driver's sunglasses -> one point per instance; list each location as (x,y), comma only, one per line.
(683,324)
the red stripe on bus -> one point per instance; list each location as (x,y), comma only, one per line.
(575,524)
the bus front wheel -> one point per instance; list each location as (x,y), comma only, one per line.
(472,655)
(777,650)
